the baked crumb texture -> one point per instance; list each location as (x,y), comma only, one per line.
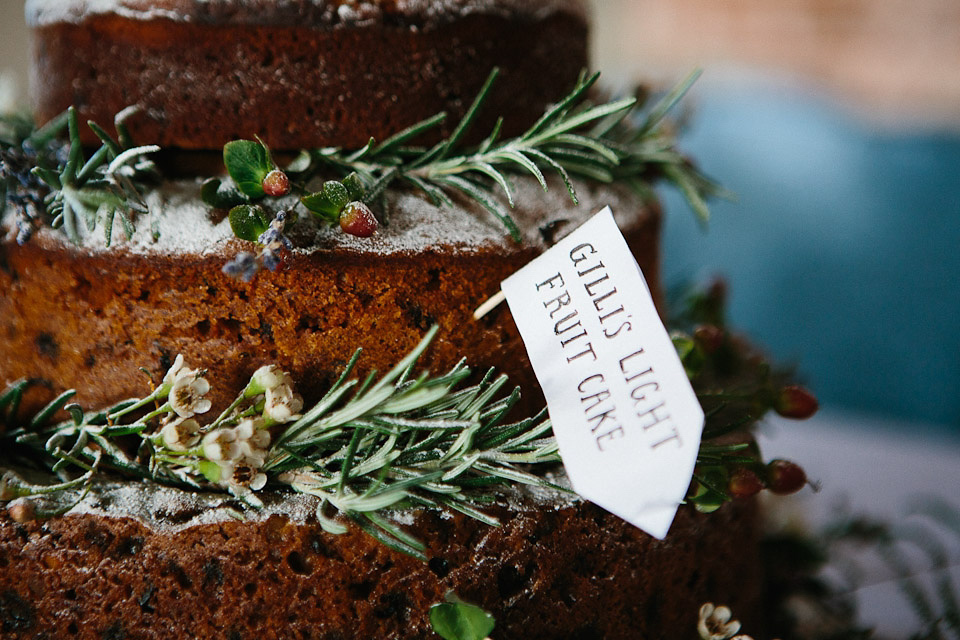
(573,572)
(88,320)
(302,84)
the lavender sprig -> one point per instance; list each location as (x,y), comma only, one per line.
(270,244)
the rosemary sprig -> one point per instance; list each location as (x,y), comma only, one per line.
(51,182)
(600,142)
(398,441)
(610,142)
(402,440)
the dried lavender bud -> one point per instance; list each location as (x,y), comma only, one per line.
(244,267)
(24,190)
(269,259)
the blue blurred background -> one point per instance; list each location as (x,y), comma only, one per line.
(842,249)
(837,124)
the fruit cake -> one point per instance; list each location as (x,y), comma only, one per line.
(112,320)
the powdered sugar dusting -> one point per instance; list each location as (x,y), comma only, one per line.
(332,13)
(169,510)
(412,224)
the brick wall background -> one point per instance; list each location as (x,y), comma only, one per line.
(900,58)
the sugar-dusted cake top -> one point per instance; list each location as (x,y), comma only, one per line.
(184,225)
(332,12)
(168,509)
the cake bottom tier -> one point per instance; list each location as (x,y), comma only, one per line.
(550,571)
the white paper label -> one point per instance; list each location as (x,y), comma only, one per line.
(625,416)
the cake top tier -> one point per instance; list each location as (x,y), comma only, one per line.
(317,12)
(301,73)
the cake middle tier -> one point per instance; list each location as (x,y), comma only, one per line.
(89,317)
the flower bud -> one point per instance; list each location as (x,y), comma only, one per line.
(22,510)
(744,483)
(181,434)
(276,183)
(221,445)
(358,220)
(176,370)
(785,477)
(266,377)
(709,337)
(796,402)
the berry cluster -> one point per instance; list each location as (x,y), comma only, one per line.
(781,477)
(341,202)
(736,387)
(255,176)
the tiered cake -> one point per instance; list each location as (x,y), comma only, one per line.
(134,560)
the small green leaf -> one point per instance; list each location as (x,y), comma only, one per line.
(125,222)
(106,138)
(76,413)
(10,398)
(248,163)
(337,194)
(248,221)
(354,186)
(48,132)
(45,414)
(461,621)
(209,469)
(52,178)
(108,226)
(331,199)
(710,495)
(319,205)
(683,343)
(215,194)
(299,164)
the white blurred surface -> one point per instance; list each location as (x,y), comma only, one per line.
(874,467)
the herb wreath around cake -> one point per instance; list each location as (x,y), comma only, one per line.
(257,399)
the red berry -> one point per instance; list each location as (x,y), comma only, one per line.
(357,220)
(709,337)
(276,184)
(785,477)
(796,402)
(744,483)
